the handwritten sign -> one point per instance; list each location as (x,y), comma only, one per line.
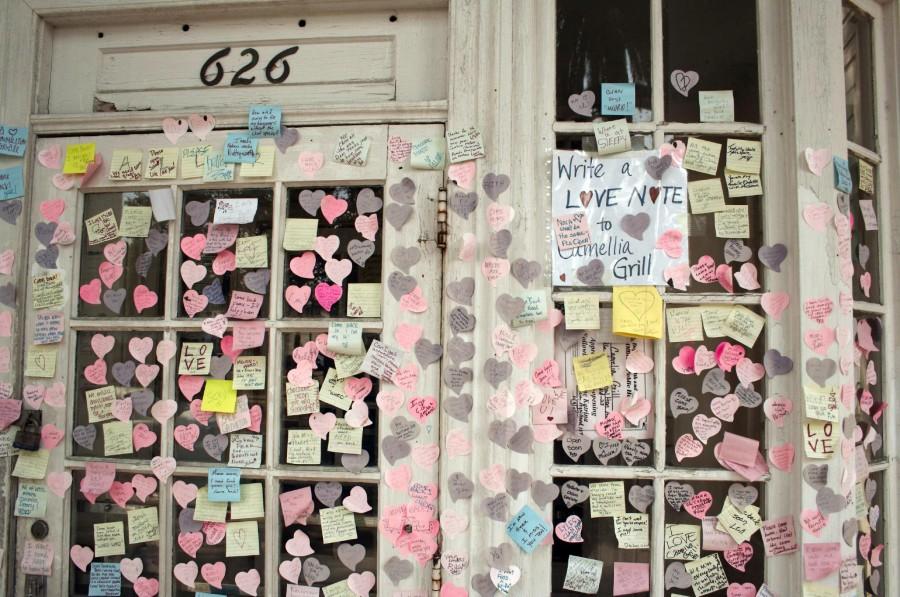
(78,156)
(706,196)
(240,148)
(31,501)
(245,450)
(351,149)
(162,163)
(364,300)
(102,227)
(303,447)
(617,99)
(223,484)
(464,144)
(216,169)
(612,136)
(126,164)
(12,183)
(47,291)
(632,531)
(627,211)
(702,156)
(264,121)
(195,358)
(249,373)
(13,140)
(582,311)
(682,542)
(684,324)
(345,338)
(37,558)
(527,529)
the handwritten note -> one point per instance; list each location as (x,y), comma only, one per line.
(47,291)
(381,361)
(364,300)
(106,579)
(716,106)
(866,177)
(224,484)
(303,447)
(12,183)
(583,575)
(162,163)
(607,499)
(31,501)
(117,438)
(842,180)
(743,156)
(733,222)
(684,324)
(235,210)
(193,160)
(612,136)
(37,558)
(219,396)
(244,305)
(345,338)
(31,465)
(249,373)
(195,358)
(241,539)
(527,529)
(252,251)
(13,140)
(742,185)
(263,165)
(109,539)
(338,524)
(240,148)
(464,144)
(822,403)
(136,220)
(617,99)
(40,361)
(245,450)
(572,231)
(126,164)
(637,312)
(240,419)
(351,149)
(264,121)
(102,227)
(820,559)
(706,196)
(301,401)
(632,531)
(741,524)
(868,213)
(582,311)
(429,153)
(300,234)
(344,439)
(779,536)
(592,372)
(216,169)
(143,525)
(702,156)
(707,575)
(78,157)
(743,325)
(682,542)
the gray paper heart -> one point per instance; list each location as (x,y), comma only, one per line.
(848,426)
(460,350)
(634,451)
(848,531)
(820,370)
(85,436)
(461,320)
(219,366)
(404,191)
(141,401)
(776,363)
(875,581)
(458,407)
(198,211)
(543,493)
(870,488)
(483,585)
(463,204)
(843,203)
(10,211)
(498,243)
(677,494)
(522,441)
(496,507)
(582,103)
(114,299)
(641,496)
(142,263)
(748,396)
(351,555)
(500,432)
(215,445)
(394,449)
(355,463)
(405,257)
(677,576)
(398,570)
(772,256)
(606,449)
(500,556)
(575,445)
(400,284)
(742,495)
(828,502)
(460,486)
(368,202)
(157,240)
(286,138)
(634,225)
(863,253)
(572,493)
(517,482)
(682,403)
(213,292)
(258,281)
(816,475)
(525,272)
(124,372)
(310,200)
(456,377)
(44,231)
(714,382)
(427,353)
(314,571)
(186,522)
(46,258)
(591,274)
(461,291)
(404,429)
(656,166)
(496,372)
(359,251)
(736,250)
(328,492)
(494,184)
(509,307)
(8,294)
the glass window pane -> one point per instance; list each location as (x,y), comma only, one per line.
(865,241)
(858,79)
(112,270)
(223,262)
(601,42)
(871,557)
(710,45)
(868,372)
(356,255)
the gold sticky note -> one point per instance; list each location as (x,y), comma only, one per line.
(733,222)
(743,156)
(162,162)
(193,160)
(102,227)
(126,164)
(338,524)
(300,234)
(264,164)
(607,499)
(744,325)
(637,312)
(78,156)
(716,106)
(684,324)
(364,300)
(252,251)
(117,438)
(109,539)
(136,221)
(143,525)
(303,447)
(702,156)
(241,539)
(592,372)
(706,196)
(219,396)
(742,185)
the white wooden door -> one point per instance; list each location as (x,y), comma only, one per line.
(163,322)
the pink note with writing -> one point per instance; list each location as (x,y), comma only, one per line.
(248,334)
(820,559)
(630,578)
(296,505)
(739,449)
(244,305)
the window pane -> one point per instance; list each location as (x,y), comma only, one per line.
(216,422)
(589,142)
(601,42)
(299,445)
(872,532)
(223,259)
(124,276)
(858,82)
(710,45)
(863,208)
(347,250)
(118,381)
(601,541)
(870,397)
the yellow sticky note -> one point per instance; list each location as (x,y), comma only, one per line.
(820,438)
(117,438)
(264,164)
(252,251)
(348,364)
(301,401)
(743,156)
(78,156)
(109,539)
(706,196)
(582,311)
(682,542)
(707,574)
(162,162)
(742,185)
(740,524)
(866,177)
(143,525)
(716,106)
(303,447)
(40,361)
(592,372)
(344,439)
(249,373)
(99,403)
(632,531)
(31,465)
(207,511)
(714,319)
(241,539)
(822,403)
(251,504)
(126,164)
(193,160)
(612,136)
(733,222)
(102,227)
(219,396)
(332,391)
(195,358)
(702,156)
(744,325)
(364,300)
(338,589)
(345,337)
(47,291)
(338,524)
(684,324)
(637,312)
(815,589)
(300,234)
(136,221)
(607,499)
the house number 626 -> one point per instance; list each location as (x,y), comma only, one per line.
(211,78)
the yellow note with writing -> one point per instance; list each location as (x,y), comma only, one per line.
(264,164)
(207,511)
(109,539)
(143,525)
(743,156)
(219,396)
(78,156)
(300,234)
(251,504)
(733,222)
(582,311)
(592,372)
(364,300)
(637,312)
(684,324)
(241,539)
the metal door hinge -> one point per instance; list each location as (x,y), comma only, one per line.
(442,219)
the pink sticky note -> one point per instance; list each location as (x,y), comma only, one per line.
(572,230)
(821,559)
(739,449)
(629,578)
(244,305)
(248,334)
(98,477)
(296,505)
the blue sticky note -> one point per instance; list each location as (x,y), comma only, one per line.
(12,183)
(528,529)
(264,121)
(13,140)
(223,484)
(617,99)
(240,148)
(842,180)
(106,580)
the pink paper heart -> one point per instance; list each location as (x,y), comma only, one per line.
(398,477)
(414,301)
(389,402)
(81,556)
(290,570)
(186,573)
(332,208)
(728,355)
(213,573)
(201,124)
(367,226)
(463,174)
(303,265)
(184,493)
(90,292)
(338,269)
(724,276)
(749,372)
(357,501)
(325,246)
(684,362)
(142,436)
(310,162)
(774,303)
(173,129)
(51,435)
(248,581)
(165,350)
(145,374)
(297,297)
(782,456)
(499,215)
(687,447)
(131,568)
(59,482)
(704,271)
(724,407)
(194,302)
(163,467)
(143,297)
(817,159)
(50,157)
(703,359)
(121,409)
(705,427)
(407,334)
(494,269)
(52,209)
(698,504)
(328,294)
(64,182)
(777,407)
(570,530)
(144,486)
(322,423)
(299,545)
(747,277)
(361,583)
(96,372)
(817,215)
(670,242)
(819,340)
(187,435)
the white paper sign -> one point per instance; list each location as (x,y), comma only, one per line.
(235,211)
(636,224)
